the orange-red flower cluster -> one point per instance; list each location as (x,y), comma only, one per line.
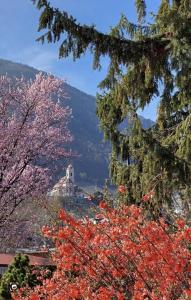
(122,189)
(148,196)
(125,257)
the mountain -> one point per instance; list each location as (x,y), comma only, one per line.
(91,166)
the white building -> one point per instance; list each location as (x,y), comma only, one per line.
(65,186)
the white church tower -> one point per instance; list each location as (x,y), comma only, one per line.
(65,186)
(70,173)
(68,184)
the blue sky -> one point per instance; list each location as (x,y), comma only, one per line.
(18,31)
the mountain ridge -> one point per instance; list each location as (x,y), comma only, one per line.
(91,167)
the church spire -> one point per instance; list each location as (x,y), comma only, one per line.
(70,173)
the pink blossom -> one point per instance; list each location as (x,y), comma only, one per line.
(33,128)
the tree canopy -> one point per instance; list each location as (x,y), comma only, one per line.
(33,130)
(123,257)
(147,60)
(18,274)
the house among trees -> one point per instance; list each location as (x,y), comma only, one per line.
(34,260)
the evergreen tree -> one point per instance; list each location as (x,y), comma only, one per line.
(20,274)
(146,61)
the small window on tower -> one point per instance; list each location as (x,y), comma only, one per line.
(70,174)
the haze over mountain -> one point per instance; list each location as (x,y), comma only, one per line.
(91,166)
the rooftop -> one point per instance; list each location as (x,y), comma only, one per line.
(7,259)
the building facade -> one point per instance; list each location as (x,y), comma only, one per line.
(65,186)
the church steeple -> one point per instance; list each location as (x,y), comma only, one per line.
(65,186)
(70,173)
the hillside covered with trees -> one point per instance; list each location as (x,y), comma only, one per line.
(137,245)
(92,160)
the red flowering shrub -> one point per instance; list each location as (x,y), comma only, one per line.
(122,189)
(126,256)
(148,196)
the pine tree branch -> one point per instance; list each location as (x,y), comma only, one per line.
(79,38)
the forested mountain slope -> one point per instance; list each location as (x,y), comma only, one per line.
(91,166)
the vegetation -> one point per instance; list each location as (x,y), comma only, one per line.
(33,129)
(18,274)
(124,256)
(126,252)
(88,141)
(147,60)
(91,166)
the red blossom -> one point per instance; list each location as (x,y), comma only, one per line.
(181,224)
(122,189)
(127,254)
(34,297)
(148,196)
(103,204)
(46,230)
(63,215)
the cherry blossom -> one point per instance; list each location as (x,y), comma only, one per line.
(33,130)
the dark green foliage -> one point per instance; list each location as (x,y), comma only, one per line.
(19,273)
(141,9)
(146,60)
(79,38)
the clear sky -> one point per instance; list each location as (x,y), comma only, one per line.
(18,31)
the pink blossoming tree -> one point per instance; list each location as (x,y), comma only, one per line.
(33,128)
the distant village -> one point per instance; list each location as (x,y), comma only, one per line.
(79,201)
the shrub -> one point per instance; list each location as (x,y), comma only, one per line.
(124,256)
(20,274)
